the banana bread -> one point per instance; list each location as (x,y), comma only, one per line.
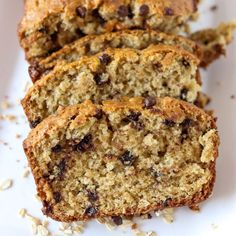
(48,25)
(155,71)
(214,41)
(122,158)
(92,44)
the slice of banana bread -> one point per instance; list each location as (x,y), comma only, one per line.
(155,71)
(123,158)
(214,41)
(50,24)
(92,44)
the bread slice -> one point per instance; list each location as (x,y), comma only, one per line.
(155,71)
(214,41)
(49,25)
(122,158)
(92,44)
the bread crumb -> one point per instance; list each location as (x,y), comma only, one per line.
(18,136)
(195,208)
(167,215)
(42,231)
(22,212)
(152,233)
(5,105)
(214,8)
(11,118)
(27,86)
(26,172)
(6,184)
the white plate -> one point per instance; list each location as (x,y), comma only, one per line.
(217,216)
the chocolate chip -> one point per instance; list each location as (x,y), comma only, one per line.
(62,168)
(57,197)
(34,123)
(143,10)
(92,196)
(34,72)
(56,148)
(183,94)
(43,30)
(73,117)
(134,116)
(168,11)
(127,158)
(90,211)
(123,11)
(85,143)
(161,153)
(81,11)
(149,216)
(186,124)
(169,122)
(99,80)
(54,37)
(185,63)
(155,174)
(167,202)
(99,114)
(105,59)
(149,102)
(157,66)
(96,14)
(117,220)
(47,208)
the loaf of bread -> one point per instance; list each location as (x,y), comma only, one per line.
(48,25)
(214,41)
(92,44)
(156,71)
(124,157)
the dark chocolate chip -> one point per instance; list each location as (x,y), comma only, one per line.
(62,168)
(85,143)
(96,14)
(54,37)
(123,11)
(161,153)
(168,11)
(127,158)
(34,72)
(99,114)
(134,116)
(47,209)
(157,66)
(90,211)
(73,117)
(166,203)
(155,174)
(149,216)
(169,122)
(56,148)
(183,94)
(34,123)
(92,196)
(144,10)
(130,14)
(105,59)
(43,30)
(185,63)
(117,220)
(99,80)
(57,197)
(81,11)
(149,102)
(186,124)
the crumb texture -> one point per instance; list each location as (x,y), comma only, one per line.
(48,25)
(156,71)
(122,158)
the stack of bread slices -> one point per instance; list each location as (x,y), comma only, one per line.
(116,106)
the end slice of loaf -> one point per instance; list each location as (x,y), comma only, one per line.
(49,25)
(214,41)
(123,158)
(93,44)
(156,71)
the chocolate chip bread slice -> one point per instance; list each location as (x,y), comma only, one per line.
(155,71)
(92,44)
(214,41)
(123,158)
(49,25)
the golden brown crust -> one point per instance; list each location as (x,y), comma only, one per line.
(167,107)
(92,44)
(43,20)
(93,63)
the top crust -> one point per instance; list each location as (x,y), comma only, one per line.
(49,25)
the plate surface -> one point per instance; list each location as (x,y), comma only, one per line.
(218,214)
